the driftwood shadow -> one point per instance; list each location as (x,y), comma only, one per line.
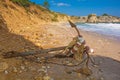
(107,68)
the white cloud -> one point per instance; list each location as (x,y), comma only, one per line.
(59,4)
(62,4)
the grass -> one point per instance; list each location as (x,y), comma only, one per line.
(24,3)
(55,17)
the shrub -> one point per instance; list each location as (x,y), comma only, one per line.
(90,15)
(55,18)
(105,14)
(46,4)
(25,3)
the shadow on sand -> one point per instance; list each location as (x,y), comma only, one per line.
(12,42)
(107,68)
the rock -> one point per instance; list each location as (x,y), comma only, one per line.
(48,67)
(15,69)
(46,78)
(32,68)
(22,67)
(70,64)
(40,70)
(20,71)
(85,71)
(20,58)
(92,18)
(26,62)
(96,66)
(92,78)
(6,72)
(43,67)
(3,66)
(39,78)
(101,78)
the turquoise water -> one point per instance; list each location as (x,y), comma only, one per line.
(111,29)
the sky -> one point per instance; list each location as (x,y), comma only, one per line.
(84,7)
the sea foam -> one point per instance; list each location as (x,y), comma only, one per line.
(111,29)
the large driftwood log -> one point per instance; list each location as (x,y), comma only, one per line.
(17,54)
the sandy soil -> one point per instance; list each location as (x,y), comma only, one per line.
(107,54)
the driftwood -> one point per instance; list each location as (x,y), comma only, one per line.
(17,54)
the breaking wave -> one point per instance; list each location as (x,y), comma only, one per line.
(112,29)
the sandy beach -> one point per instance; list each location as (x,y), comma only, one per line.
(106,52)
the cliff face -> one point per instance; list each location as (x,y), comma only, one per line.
(22,28)
(19,16)
(108,19)
(93,18)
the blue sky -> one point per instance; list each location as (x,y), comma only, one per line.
(84,7)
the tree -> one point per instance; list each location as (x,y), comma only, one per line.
(46,4)
(105,14)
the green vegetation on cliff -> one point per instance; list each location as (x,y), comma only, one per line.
(25,3)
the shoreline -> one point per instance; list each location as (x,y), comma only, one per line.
(106,49)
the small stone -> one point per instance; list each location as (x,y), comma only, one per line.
(15,69)
(51,79)
(32,68)
(19,58)
(40,70)
(46,78)
(39,78)
(69,64)
(38,58)
(85,71)
(79,75)
(101,78)
(95,66)
(92,78)
(48,67)
(20,71)
(22,67)
(3,66)
(26,62)
(43,67)
(6,72)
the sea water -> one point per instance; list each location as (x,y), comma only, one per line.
(110,29)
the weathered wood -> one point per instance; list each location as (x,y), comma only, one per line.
(17,54)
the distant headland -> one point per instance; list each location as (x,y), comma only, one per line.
(93,18)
